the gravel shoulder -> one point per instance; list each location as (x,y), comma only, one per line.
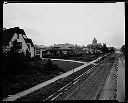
(114,88)
(121,80)
(110,87)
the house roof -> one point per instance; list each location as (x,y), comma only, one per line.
(8,34)
(61,47)
(28,40)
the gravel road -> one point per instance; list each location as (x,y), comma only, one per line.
(91,88)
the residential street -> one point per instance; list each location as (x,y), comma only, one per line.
(104,81)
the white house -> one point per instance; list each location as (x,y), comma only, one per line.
(16,34)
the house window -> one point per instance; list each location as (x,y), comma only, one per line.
(28,46)
(17,36)
(19,45)
(37,52)
(70,47)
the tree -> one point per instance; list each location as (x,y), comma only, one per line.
(104,49)
(14,49)
(123,49)
(112,50)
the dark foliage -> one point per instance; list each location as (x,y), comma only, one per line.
(104,49)
(112,50)
(15,62)
(123,49)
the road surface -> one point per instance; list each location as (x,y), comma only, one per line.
(91,88)
(114,88)
(121,80)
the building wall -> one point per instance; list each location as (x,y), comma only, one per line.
(38,52)
(21,39)
(32,51)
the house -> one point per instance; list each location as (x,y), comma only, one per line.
(24,44)
(38,49)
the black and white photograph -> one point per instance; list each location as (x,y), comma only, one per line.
(63,51)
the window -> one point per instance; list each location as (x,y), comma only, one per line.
(37,52)
(19,45)
(70,47)
(28,46)
(17,36)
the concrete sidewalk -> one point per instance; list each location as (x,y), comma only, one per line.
(67,60)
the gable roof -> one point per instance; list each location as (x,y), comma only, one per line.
(9,33)
(28,40)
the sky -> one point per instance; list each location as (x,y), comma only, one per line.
(75,23)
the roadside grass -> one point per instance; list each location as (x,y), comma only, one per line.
(33,74)
(66,65)
(48,90)
(86,58)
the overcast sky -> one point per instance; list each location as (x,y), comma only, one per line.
(75,23)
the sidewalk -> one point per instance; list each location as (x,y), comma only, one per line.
(68,60)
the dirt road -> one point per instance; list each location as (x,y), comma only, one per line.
(121,80)
(114,88)
(91,88)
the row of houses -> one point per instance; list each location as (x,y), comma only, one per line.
(66,50)
(25,45)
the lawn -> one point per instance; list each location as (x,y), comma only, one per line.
(33,75)
(44,92)
(66,65)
